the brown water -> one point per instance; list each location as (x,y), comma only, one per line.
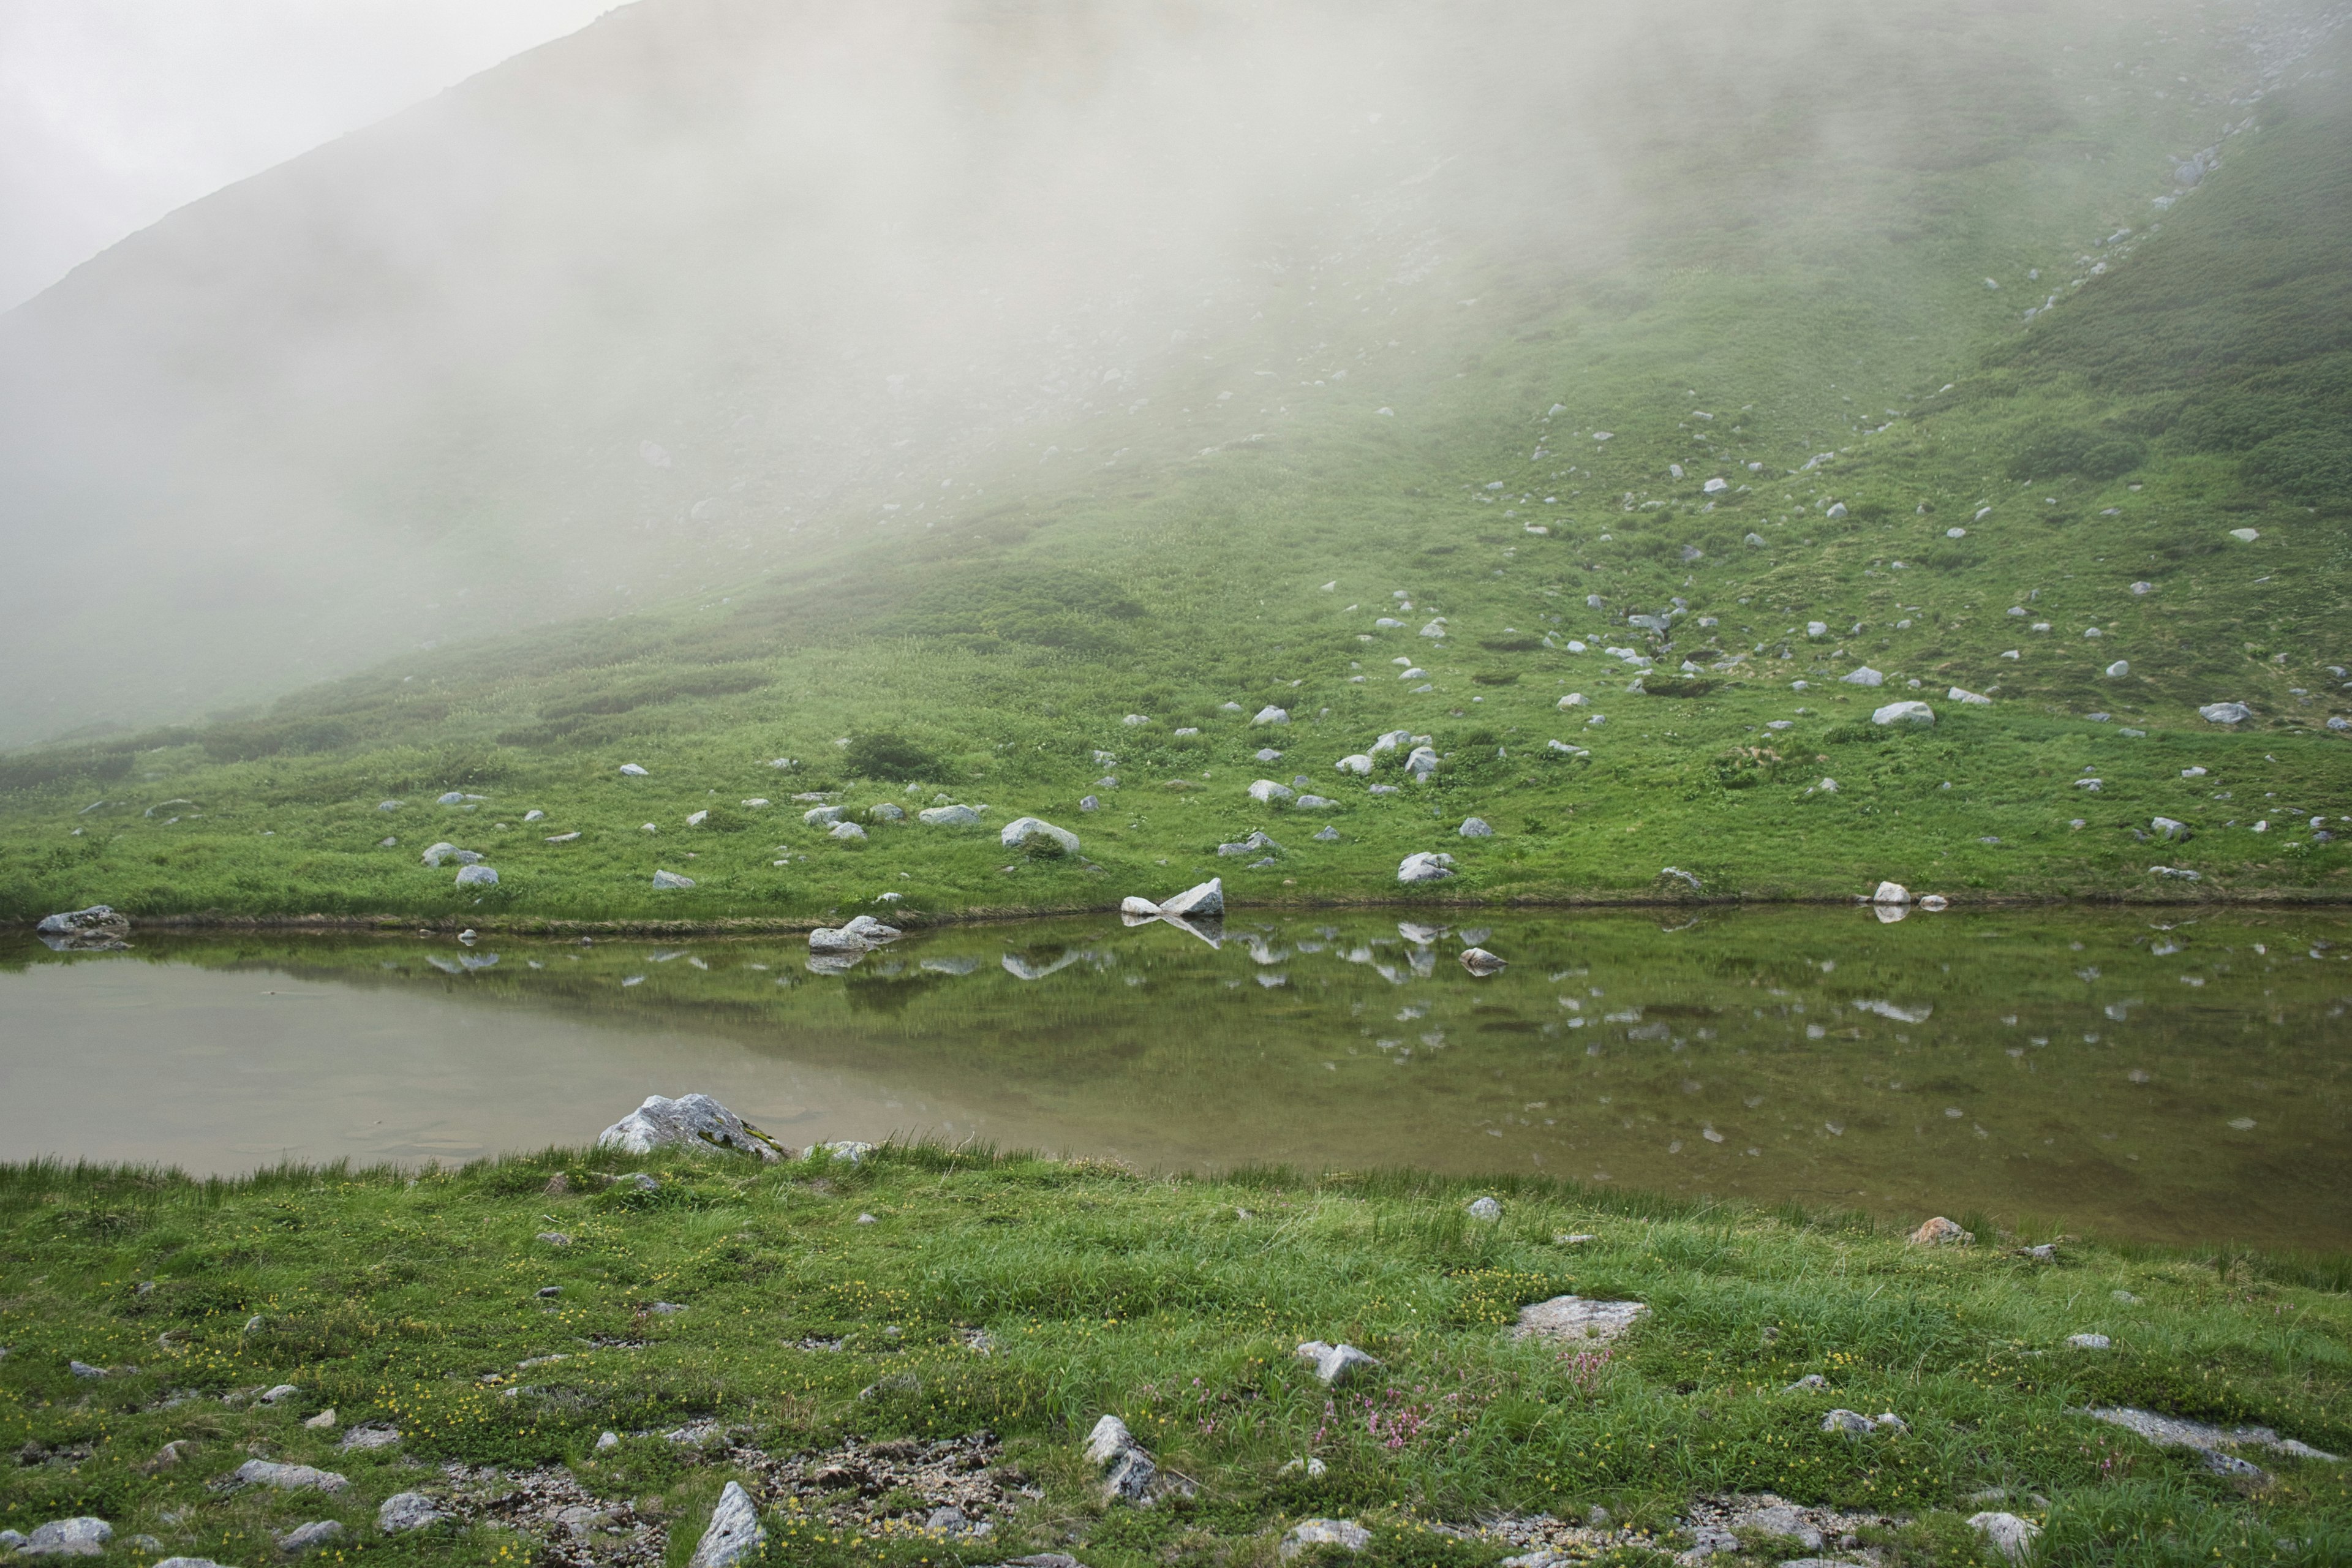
(2171,1077)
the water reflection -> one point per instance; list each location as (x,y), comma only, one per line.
(2169,1077)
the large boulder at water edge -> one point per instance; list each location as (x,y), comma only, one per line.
(1205,902)
(690,1121)
(97,929)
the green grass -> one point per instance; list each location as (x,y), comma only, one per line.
(2197,387)
(1173,1303)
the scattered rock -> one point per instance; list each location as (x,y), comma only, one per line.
(1891,894)
(310,1537)
(405,1511)
(1311,1468)
(478,877)
(948,816)
(1022,829)
(1483,1208)
(85,1536)
(2089,1342)
(1904,713)
(284,1390)
(288,1477)
(1128,1468)
(690,1121)
(1266,790)
(734,1531)
(1142,909)
(633,770)
(1315,802)
(1481,963)
(841,1148)
(1425,867)
(447,851)
(2225,712)
(2006,1534)
(1270,715)
(1852,1423)
(2174,1432)
(1334,1365)
(2169,828)
(1356,762)
(1810,1382)
(1941,1232)
(1578,1317)
(1343,1533)
(1975,699)
(97,929)
(847,832)
(1475,827)
(1865,676)
(1935,903)
(371,1435)
(671,879)
(321,1420)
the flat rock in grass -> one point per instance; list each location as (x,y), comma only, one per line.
(85,1536)
(1577,1318)
(847,832)
(1204,902)
(1904,713)
(1270,715)
(1022,829)
(447,851)
(2174,1432)
(1327,834)
(1343,1533)
(671,879)
(288,1477)
(887,811)
(1425,867)
(2225,712)
(1334,1365)
(1975,699)
(1852,1423)
(1356,762)
(2089,1342)
(948,816)
(1268,791)
(182,1562)
(2006,1534)
(478,877)
(630,769)
(733,1534)
(1481,963)
(1128,1468)
(1865,676)
(1486,1209)
(1315,802)
(405,1511)
(310,1537)
(1941,1232)
(846,1150)
(361,1439)
(690,1121)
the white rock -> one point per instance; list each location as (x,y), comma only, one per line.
(2245,535)
(1715,486)
(734,1531)
(1388,624)
(1578,1317)
(1134,719)
(820,815)
(847,832)
(633,770)
(1128,1470)
(690,1121)
(697,819)
(1817,629)
(1344,1533)
(478,877)
(1358,763)
(2225,712)
(1483,1208)
(1436,628)
(1904,713)
(1475,827)
(405,1511)
(2005,1532)
(562,837)
(1865,676)
(671,879)
(1142,907)
(1422,762)
(1390,742)
(1425,867)
(1267,790)
(885,811)
(1481,963)
(2118,670)
(1204,902)
(447,851)
(85,1536)
(1891,894)
(2169,828)
(1976,698)
(2089,1342)
(1573,699)
(947,817)
(289,1478)
(1022,829)
(1935,903)
(1270,715)
(1334,1365)
(1315,802)
(534,815)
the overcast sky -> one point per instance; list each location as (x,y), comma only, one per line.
(112,112)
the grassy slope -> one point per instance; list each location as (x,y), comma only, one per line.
(1185,573)
(1173,1303)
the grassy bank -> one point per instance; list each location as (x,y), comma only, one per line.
(839,1337)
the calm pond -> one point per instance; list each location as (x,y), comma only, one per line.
(2168,1075)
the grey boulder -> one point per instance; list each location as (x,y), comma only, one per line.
(1578,1317)
(478,877)
(671,879)
(948,816)
(1865,676)
(1128,1468)
(1425,867)
(447,851)
(2006,1534)
(1344,1533)
(1904,713)
(82,1536)
(2225,712)
(733,1534)
(310,1537)
(690,1121)
(1022,829)
(288,1477)
(1421,762)
(405,1511)
(1203,902)
(1475,827)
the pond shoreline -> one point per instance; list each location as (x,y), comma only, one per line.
(915,920)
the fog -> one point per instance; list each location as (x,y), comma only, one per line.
(696,294)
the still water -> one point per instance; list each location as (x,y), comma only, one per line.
(2171,1077)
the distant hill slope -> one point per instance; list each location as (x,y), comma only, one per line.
(1784,377)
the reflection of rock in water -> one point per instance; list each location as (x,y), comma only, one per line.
(97,929)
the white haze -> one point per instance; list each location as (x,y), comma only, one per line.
(825,258)
(112,112)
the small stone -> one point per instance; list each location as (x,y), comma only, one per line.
(2245,535)
(607,1441)
(478,877)
(1974,699)
(1483,1208)
(2005,1532)
(1940,1232)
(1334,1365)
(554,1239)
(633,770)
(1424,868)
(372,1435)
(2169,828)
(1270,715)
(283,1391)
(1810,1382)
(1266,792)
(671,879)
(1852,1423)
(288,1477)
(948,816)
(1904,713)
(1343,1533)
(2225,712)
(324,1419)
(310,1537)
(1311,1468)
(1128,1470)
(1865,676)
(1475,827)
(2089,1342)
(405,1511)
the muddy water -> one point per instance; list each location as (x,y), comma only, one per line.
(2171,1078)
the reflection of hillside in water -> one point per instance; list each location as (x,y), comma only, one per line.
(2167,1078)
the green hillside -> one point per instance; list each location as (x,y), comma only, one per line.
(2147,475)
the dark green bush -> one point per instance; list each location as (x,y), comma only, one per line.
(2303,465)
(2087,454)
(886,755)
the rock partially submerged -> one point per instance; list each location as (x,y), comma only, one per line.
(1891,894)
(863,933)
(1206,901)
(690,1121)
(1577,1318)
(1481,963)
(97,929)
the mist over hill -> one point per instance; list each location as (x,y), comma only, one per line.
(717,291)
